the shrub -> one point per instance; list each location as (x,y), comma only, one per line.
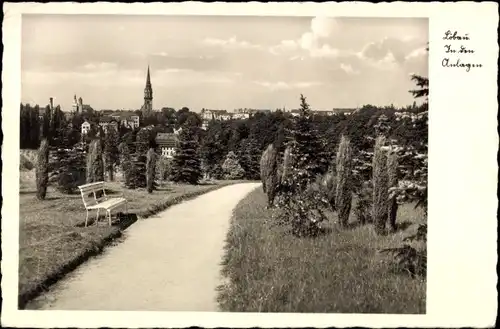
(380,186)
(163,168)
(343,192)
(42,169)
(232,168)
(392,176)
(151,166)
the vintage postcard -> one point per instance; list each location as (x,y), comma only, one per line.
(249,164)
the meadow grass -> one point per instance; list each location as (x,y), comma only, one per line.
(268,270)
(53,239)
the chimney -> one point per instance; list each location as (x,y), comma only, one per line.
(51,103)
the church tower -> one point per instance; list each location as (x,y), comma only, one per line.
(148,95)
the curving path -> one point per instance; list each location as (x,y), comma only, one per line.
(170,262)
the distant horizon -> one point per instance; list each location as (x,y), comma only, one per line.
(221,62)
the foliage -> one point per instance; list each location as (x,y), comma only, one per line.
(42,169)
(343,192)
(151,167)
(329,187)
(29,127)
(232,168)
(187,161)
(380,186)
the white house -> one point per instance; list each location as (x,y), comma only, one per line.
(167,143)
(85,127)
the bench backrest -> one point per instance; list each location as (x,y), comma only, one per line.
(92,193)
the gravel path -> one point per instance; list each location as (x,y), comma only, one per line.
(169,262)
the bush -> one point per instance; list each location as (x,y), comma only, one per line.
(42,169)
(380,186)
(232,168)
(151,167)
(343,193)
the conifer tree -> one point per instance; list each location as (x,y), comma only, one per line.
(310,156)
(111,153)
(42,169)
(380,186)
(343,191)
(249,155)
(187,161)
(392,175)
(151,170)
(232,168)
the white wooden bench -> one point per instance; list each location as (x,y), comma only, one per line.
(93,202)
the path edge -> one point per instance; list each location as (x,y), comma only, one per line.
(66,268)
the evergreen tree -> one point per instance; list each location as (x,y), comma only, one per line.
(125,162)
(232,168)
(187,162)
(343,191)
(249,155)
(151,168)
(307,147)
(42,169)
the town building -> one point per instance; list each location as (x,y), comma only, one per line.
(108,122)
(78,106)
(167,143)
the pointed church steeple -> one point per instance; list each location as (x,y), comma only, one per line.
(148,94)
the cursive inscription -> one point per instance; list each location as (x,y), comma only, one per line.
(454,51)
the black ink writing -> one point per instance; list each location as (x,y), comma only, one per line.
(448,35)
(447,62)
(458,50)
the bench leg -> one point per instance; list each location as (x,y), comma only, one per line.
(86,217)
(97,217)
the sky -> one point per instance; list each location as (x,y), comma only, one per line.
(221,62)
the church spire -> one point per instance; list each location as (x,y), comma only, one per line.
(148,94)
(148,79)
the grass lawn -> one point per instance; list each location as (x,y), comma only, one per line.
(268,270)
(52,240)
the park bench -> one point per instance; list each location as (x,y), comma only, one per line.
(94,198)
